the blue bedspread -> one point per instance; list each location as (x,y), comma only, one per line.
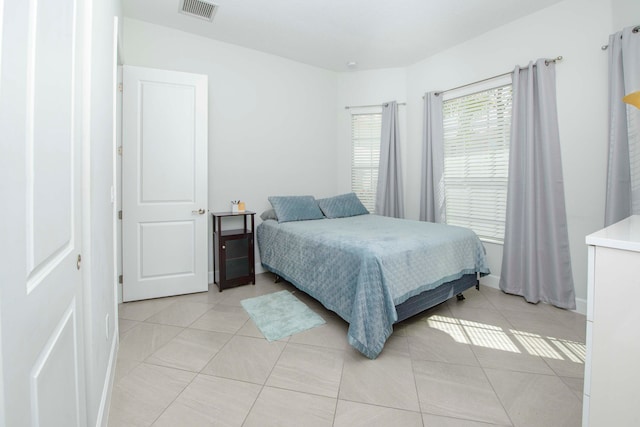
(362,267)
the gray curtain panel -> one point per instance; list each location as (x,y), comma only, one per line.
(432,200)
(389,194)
(623,179)
(536,262)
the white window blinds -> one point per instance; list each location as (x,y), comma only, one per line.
(633,130)
(476,160)
(365,156)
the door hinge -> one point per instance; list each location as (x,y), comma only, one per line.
(120,150)
(120,279)
(120,87)
(119,214)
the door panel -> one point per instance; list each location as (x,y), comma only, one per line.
(41,89)
(167,142)
(49,377)
(157,261)
(49,138)
(164,173)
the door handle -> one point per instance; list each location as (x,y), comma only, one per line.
(199,212)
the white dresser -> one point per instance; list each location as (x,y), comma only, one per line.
(612,367)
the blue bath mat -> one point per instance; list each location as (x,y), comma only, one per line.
(280,315)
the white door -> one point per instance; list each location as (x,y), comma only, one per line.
(164,180)
(41,131)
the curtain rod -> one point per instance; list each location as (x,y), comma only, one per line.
(635,30)
(372,105)
(546,62)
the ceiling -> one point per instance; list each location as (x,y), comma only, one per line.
(331,33)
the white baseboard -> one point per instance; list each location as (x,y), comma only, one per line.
(259,269)
(492,281)
(581,306)
(105,400)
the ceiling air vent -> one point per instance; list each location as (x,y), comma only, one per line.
(198,9)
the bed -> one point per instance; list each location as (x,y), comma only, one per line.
(372,271)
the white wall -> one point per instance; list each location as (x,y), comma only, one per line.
(356,88)
(98,251)
(625,13)
(272,122)
(575,29)
(271,117)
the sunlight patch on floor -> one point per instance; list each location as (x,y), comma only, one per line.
(574,351)
(449,326)
(479,334)
(494,337)
(536,345)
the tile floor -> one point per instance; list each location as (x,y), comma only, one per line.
(492,359)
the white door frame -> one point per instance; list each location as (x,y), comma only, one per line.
(117,175)
(105,401)
(2,412)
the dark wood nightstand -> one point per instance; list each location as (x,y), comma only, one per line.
(233,251)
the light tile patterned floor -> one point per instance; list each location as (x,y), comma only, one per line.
(492,359)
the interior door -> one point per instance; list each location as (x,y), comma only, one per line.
(41,129)
(164,179)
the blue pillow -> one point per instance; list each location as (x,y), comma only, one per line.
(342,206)
(295,208)
(269,214)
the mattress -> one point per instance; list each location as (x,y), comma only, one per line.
(362,267)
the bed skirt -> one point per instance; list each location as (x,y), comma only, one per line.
(421,302)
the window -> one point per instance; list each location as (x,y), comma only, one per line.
(476,160)
(365,156)
(633,130)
